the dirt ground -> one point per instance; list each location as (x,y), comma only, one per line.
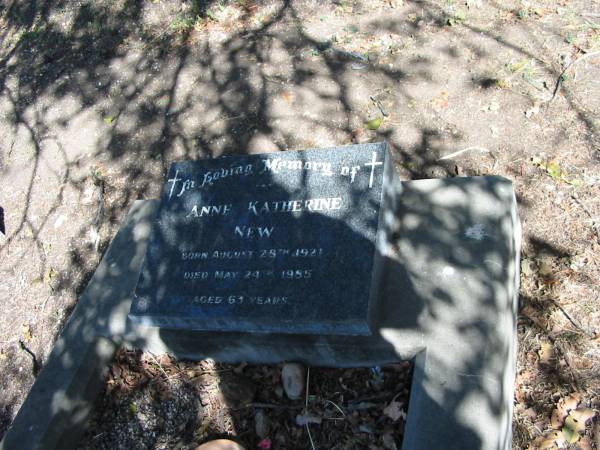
(160,403)
(97,98)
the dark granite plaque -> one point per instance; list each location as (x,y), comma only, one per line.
(280,242)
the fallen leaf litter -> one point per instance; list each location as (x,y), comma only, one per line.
(158,402)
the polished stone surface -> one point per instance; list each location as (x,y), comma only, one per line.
(280,242)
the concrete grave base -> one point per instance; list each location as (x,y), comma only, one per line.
(448,299)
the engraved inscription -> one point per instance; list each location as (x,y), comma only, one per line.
(294,265)
(283,242)
(240,299)
(209,210)
(178,186)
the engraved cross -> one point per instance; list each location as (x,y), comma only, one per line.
(173,180)
(372,164)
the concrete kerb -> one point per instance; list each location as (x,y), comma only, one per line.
(462,387)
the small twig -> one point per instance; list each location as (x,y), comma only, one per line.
(559,80)
(460,152)
(382,396)
(307,384)
(99,435)
(160,366)
(566,358)
(573,321)
(273,80)
(338,408)
(206,372)
(312,444)
(271,406)
(379,105)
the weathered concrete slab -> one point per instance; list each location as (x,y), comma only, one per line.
(55,411)
(449,299)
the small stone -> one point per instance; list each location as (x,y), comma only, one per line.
(262,424)
(220,444)
(60,220)
(494,106)
(292,377)
(305,419)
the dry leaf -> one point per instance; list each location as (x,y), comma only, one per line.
(531,413)
(531,313)
(585,443)
(288,96)
(546,352)
(525,375)
(394,411)
(557,420)
(545,269)
(547,441)
(596,433)
(520,394)
(49,275)
(441,101)
(528,311)
(27,334)
(568,403)
(581,416)
(527,267)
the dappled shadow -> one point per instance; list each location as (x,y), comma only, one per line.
(422,307)
(99,98)
(542,247)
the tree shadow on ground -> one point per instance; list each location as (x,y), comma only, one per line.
(105,95)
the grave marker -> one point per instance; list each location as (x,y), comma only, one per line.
(279,242)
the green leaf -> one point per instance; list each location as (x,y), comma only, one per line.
(374,124)
(212,16)
(569,431)
(553,170)
(109,120)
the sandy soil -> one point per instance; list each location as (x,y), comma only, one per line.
(97,98)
